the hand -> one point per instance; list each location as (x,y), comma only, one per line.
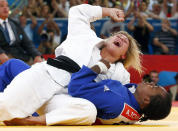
(165,26)
(37,59)
(3,58)
(165,48)
(106,62)
(116,14)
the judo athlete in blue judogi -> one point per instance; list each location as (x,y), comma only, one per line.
(117,103)
(9,70)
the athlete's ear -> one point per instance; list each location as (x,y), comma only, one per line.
(146,100)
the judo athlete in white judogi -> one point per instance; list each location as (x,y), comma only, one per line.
(40,88)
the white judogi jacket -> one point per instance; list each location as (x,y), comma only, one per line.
(82,44)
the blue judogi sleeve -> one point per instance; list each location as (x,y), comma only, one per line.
(9,70)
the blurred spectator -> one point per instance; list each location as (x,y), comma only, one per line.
(175,15)
(50,34)
(146,78)
(33,7)
(110,27)
(169,7)
(65,5)
(167,79)
(74,2)
(94,2)
(165,39)
(141,31)
(60,9)
(143,8)
(28,28)
(14,41)
(126,5)
(157,11)
(154,76)
(151,3)
(45,11)
(46,44)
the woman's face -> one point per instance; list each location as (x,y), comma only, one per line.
(115,48)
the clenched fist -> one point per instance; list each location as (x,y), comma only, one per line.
(115,14)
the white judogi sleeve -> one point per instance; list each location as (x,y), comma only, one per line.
(81,39)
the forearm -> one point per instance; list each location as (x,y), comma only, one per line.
(157,43)
(105,12)
(130,24)
(154,16)
(41,27)
(149,26)
(29,121)
(173,31)
(34,22)
(97,69)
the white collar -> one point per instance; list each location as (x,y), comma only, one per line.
(1,21)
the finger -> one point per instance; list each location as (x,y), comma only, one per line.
(120,13)
(119,19)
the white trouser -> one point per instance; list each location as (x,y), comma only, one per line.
(63,109)
(27,92)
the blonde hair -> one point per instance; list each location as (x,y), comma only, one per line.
(133,58)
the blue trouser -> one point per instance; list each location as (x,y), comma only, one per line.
(9,70)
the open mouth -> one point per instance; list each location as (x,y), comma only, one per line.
(117,44)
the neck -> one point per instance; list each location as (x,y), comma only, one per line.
(139,100)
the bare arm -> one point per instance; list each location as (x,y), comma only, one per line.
(130,25)
(173,31)
(29,121)
(148,25)
(34,21)
(156,42)
(40,29)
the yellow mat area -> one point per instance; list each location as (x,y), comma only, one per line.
(168,124)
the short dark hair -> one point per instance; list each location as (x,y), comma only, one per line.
(153,71)
(158,108)
(146,78)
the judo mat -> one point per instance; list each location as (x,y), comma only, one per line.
(168,124)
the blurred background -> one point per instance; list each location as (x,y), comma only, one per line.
(153,23)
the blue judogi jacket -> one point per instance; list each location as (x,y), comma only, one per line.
(114,102)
